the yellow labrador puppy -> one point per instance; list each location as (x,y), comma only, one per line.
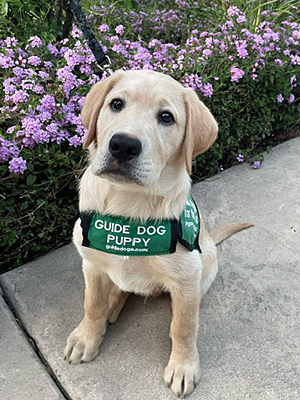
(139,229)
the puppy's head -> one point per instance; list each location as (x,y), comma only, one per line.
(141,122)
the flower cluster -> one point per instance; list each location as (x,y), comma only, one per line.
(43,102)
(44,84)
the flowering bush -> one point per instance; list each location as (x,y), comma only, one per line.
(248,75)
(250,80)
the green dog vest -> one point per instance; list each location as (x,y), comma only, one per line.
(132,237)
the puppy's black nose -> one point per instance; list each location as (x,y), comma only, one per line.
(124,148)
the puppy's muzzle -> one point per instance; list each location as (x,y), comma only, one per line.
(124,148)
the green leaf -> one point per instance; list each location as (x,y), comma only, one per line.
(72,185)
(30,167)
(24,205)
(9,201)
(30,180)
(11,238)
(4,8)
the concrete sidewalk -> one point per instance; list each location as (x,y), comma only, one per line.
(249,333)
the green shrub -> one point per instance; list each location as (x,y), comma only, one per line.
(36,206)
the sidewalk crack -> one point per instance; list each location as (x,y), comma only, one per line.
(34,346)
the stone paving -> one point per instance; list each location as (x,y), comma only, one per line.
(22,376)
(249,332)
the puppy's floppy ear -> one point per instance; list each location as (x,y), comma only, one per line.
(201,128)
(93,104)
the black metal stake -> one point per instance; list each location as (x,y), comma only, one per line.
(89,35)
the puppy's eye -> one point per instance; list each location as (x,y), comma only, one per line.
(116,105)
(166,118)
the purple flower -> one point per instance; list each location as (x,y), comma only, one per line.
(20,96)
(183,4)
(11,41)
(8,149)
(44,75)
(53,50)
(104,28)
(113,39)
(47,103)
(208,42)
(30,124)
(236,73)
(229,24)
(295,60)
(153,42)
(240,158)
(278,61)
(241,48)
(8,87)
(34,60)
(292,80)
(69,80)
(193,81)
(76,32)
(45,116)
(291,98)
(11,129)
(38,89)
(62,135)
(48,64)
(207,89)
(207,52)
(241,18)
(17,165)
(258,39)
(256,165)
(75,141)
(223,47)
(85,69)
(6,61)
(52,128)
(41,136)
(119,29)
(73,58)
(30,72)
(81,101)
(35,41)
(19,72)
(233,11)
(280,98)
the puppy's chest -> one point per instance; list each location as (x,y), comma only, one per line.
(133,274)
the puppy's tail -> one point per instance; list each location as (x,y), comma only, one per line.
(223,232)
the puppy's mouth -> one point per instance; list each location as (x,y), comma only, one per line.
(118,172)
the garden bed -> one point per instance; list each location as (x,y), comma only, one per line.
(244,63)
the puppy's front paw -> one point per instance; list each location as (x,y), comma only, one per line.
(182,378)
(84,342)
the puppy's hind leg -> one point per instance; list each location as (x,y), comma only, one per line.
(83,343)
